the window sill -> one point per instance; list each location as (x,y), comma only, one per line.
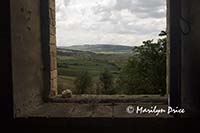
(138,99)
(92,106)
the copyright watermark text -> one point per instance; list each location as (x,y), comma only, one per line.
(153,110)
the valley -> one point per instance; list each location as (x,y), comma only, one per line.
(71,61)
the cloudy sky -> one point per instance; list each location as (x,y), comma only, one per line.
(124,22)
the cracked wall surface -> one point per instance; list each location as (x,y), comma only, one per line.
(27,58)
(26,55)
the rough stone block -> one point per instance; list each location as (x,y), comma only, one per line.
(52,21)
(52,4)
(52,30)
(52,39)
(53,92)
(52,17)
(53,48)
(54,83)
(53,61)
(54,74)
(53,89)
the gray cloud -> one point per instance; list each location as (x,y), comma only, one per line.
(66,2)
(137,18)
(141,8)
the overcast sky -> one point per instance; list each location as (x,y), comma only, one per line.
(124,22)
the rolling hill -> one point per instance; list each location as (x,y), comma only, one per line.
(101,48)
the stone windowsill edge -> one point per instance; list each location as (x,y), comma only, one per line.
(137,99)
(81,103)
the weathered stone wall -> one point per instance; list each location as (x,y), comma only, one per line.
(26,55)
(53,62)
(191,55)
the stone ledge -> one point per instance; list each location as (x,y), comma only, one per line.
(99,106)
(111,99)
(76,110)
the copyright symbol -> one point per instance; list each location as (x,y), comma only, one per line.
(130,109)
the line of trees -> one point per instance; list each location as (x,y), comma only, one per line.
(105,85)
(145,72)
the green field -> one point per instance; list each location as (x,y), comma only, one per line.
(72,62)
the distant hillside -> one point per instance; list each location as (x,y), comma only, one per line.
(71,52)
(101,48)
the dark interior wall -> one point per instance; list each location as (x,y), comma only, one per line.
(5,61)
(26,55)
(190,55)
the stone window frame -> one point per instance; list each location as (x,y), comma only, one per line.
(173,78)
(48,30)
